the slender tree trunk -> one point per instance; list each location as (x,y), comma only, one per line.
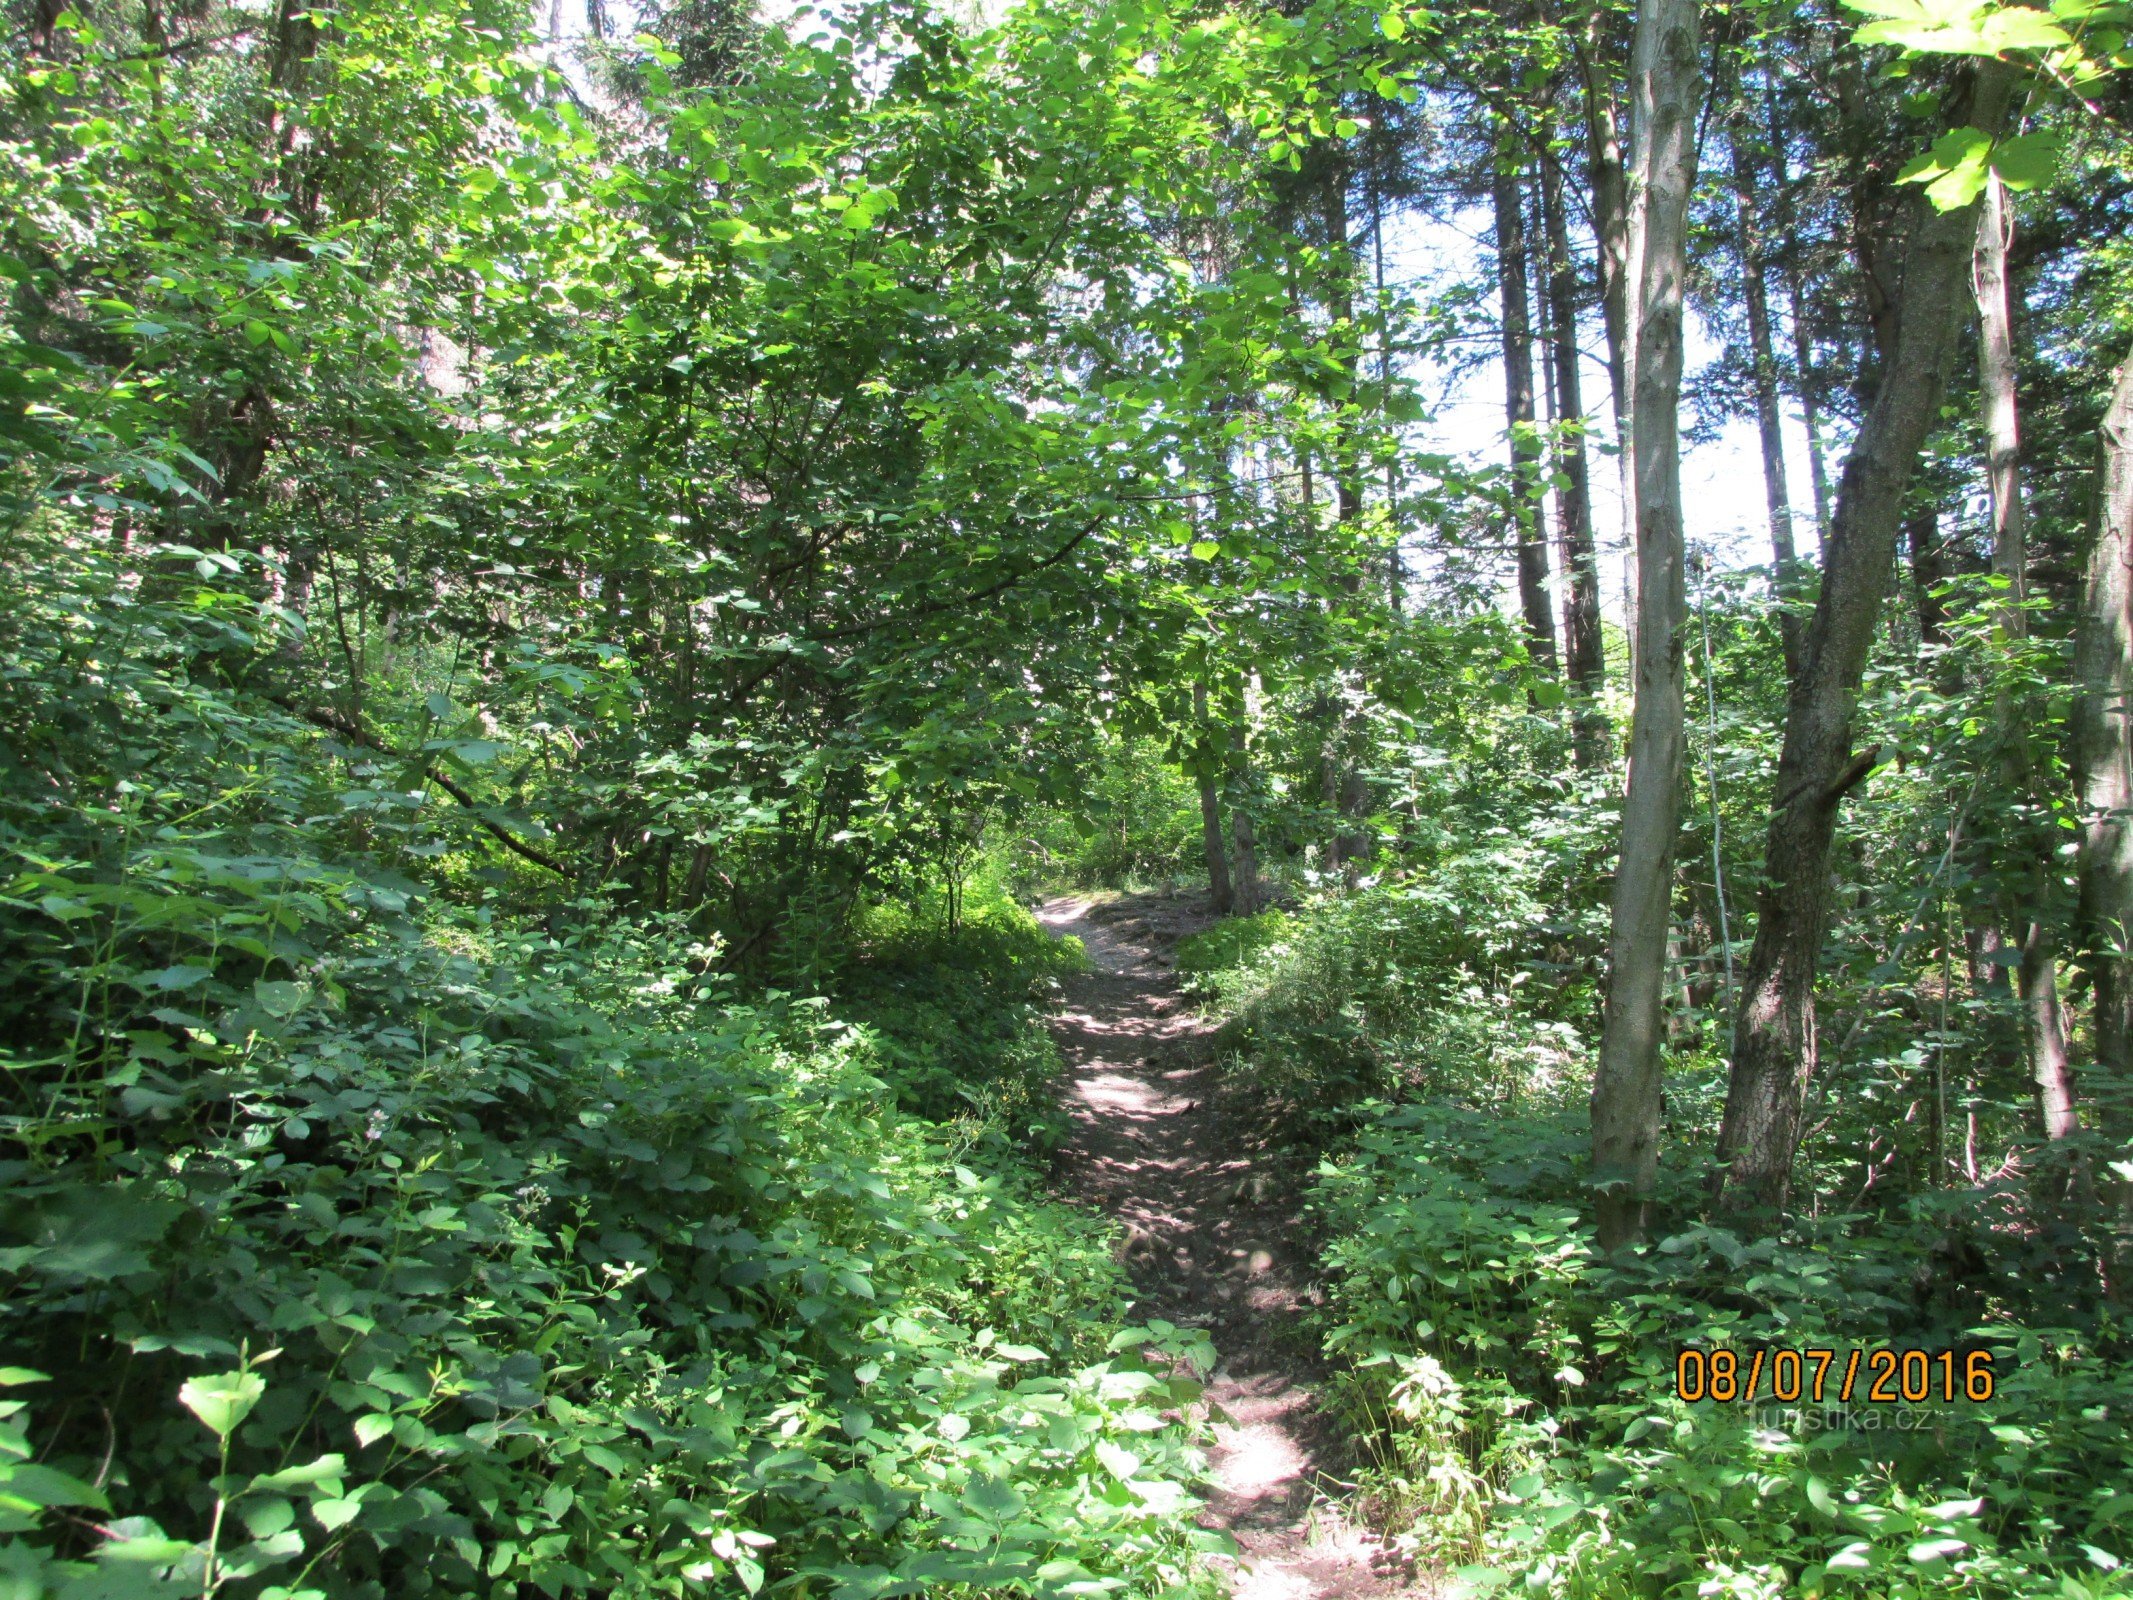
(1584,648)
(1775,1046)
(1784,557)
(1666,85)
(1803,360)
(1802,346)
(1218,888)
(2036,974)
(2103,743)
(1396,578)
(1607,183)
(2103,778)
(1246,899)
(1511,278)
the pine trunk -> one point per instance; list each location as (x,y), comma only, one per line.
(1511,277)
(1584,648)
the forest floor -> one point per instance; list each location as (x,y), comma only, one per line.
(1214,1240)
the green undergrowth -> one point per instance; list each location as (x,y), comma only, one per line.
(1512,1389)
(379,1224)
(954,1014)
(1386,994)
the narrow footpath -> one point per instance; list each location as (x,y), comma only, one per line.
(1212,1242)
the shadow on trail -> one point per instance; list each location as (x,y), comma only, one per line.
(1212,1242)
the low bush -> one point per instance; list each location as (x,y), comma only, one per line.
(953,1015)
(1519,1389)
(1385,995)
(361,1240)
(1512,1390)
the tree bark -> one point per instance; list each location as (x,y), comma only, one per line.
(2036,974)
(1775,1046)
(2103,744)
(1511,278)
(1245,898)
(1802,345)
(1608,184)
(1784,556)
(1245,895)
(1584,649)
(1218,886)
(1666,86)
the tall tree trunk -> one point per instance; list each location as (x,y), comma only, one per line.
(1802,344)
(1784,557)
(1511,278)
(1246,897)
(1608,184)
(1584,649)
(1396,578)
(2036,974)
(2103,742)
(1775,1046)
(1218,888)
(1666,85)
(1348,793)
(2103,778)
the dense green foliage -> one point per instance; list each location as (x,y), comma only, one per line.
(482,1251)
(565,592)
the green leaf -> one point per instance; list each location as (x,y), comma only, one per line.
(1953,171)
(2028,161)
(281,999)
(1393,25)
(224,1400)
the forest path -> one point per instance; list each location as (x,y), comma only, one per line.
(1213,1242)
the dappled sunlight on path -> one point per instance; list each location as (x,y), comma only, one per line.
(1212,1243)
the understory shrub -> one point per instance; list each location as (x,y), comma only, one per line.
(1387,994)
(953,1014)
(1512,1390)
(1518,1388)
(362,1239)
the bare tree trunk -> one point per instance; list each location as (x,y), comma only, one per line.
(1775,1046)
(2103,778)
(1511,253)
(1784,557)
(2036,975)
(1584,649)
(1608,184)
(1245,899)
(1802,345)
(1218,888)
(1666,86)
(1245,895)
(2103,742)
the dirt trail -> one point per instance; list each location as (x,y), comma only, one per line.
(1212,1242)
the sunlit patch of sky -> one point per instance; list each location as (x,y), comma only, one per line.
(1721,478)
